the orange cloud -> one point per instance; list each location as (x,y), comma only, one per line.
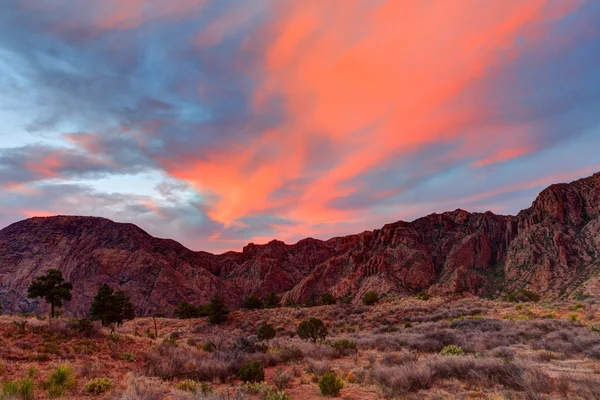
(377,81)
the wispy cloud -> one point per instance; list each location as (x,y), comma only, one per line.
(290,119)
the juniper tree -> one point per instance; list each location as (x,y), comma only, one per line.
(111,307)
(52,287)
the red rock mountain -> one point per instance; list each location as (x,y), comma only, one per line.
(552,248)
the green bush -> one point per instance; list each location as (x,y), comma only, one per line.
(271,301)
(98,386)
(312,329)
(423,296)
(252,372)
(330,385)
(289,303)
(217,311)
(344,345)
(252,303)
(205,388)
(278,396)
(266,332)
(186,310)
(523,295)
(208,347)
(187,386)
(370,298)
(328,299)
(171,339)
(452,350)
(128,357)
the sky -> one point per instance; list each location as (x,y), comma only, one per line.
(223,122)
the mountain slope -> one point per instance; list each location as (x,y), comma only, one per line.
(552,248)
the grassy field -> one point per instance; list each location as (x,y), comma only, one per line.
(461,348)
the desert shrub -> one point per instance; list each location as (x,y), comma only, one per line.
(83,326)
(312,329)
(187,385)
(486,372)
(128,357)
(423,296)
(370,298)
(594,353)
(398,380)
(252,372)
(289,303)
(266,332)
(452,350)
(217,311)
(281,379)
(581,296)
(252,303)
(209,347)
(523,295)
(328,299)
(573,317)
(504,353)
(318,367)
(399,358)
(290,353)
(61,380)
(98,386)
(186,310)
(20,326)
(330,385)
(480,324)
(272,301)
(142,388)
(344,346)
(205,388)
(248,344)
(278,396)
(171,339)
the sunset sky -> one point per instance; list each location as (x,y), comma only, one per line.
(218,123)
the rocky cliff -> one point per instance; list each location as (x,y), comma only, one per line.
(552,248)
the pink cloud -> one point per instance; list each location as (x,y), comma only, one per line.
(378,82)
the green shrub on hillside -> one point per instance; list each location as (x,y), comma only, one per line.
(266,332)
(312,329)
(252,372)
(370,298)
(330,385)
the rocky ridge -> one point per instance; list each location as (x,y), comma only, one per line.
(552,248)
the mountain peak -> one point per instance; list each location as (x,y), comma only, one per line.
(550,248)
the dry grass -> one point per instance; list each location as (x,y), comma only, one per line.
(511,351)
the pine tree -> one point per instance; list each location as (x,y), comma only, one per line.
(111,307)
(52,287)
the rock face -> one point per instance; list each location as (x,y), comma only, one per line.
(552,248)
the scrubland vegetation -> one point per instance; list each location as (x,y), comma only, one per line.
(407,347)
